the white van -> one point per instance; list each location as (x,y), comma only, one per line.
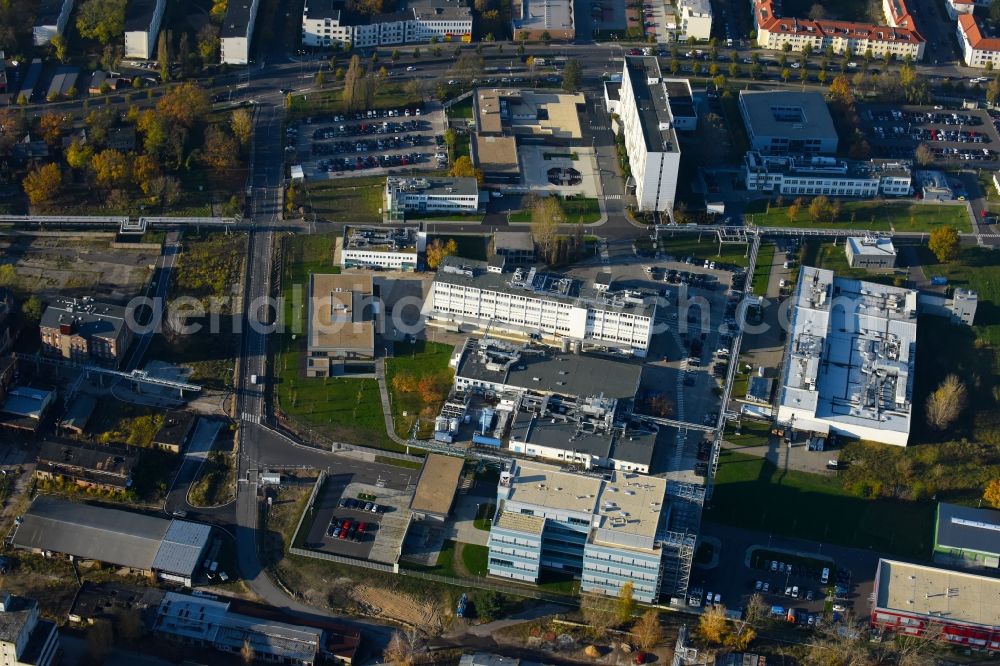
(825,576)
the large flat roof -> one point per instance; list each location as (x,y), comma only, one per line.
(382,239)
(872,247)
(651,101)
(545,15)
(940,594)
(559,434)
(117,537)
(139,14)
(434,186)
(968,528)
(339,315)
(87,317)
(794,115)
(239,13)
(630,506)
(437,484)
(851,351)
(495,154)
(548,486)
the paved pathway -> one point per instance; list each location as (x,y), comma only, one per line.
(383,391)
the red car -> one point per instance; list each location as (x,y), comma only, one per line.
(362,527)
(343,529)
(634,52)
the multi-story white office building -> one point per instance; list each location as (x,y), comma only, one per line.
(849,361)
(602,529)
(25,638)
(237,32)
(328,23)
(472,294)
(830,176)
(388,248)
(142,25)
(696,19)
(431,195)
(649,127)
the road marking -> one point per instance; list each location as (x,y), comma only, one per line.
(250,418)
(612,196)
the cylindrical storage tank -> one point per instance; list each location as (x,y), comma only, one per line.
(441,423)
(454,425)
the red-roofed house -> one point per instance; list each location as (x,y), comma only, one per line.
(977,48)
(899,38)
(958,7)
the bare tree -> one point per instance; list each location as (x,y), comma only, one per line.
(546,216)
(402,648)
(246,652)
(647,631)
(598,612)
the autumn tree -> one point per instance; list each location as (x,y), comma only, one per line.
(241,123)
(793,212)
(713,626)
(145,169)
(356,89)
(220,148)
(166,190)
(51,126)
(400,650)
(991,494)
(822,210)
(546,216)
(841,90)
(599,614)
(98,123)
(32,309)
(946,402)
(246,652)
(101,20)
(186,104)
(438,250)
(625,607)
(648,631)
(404,382)
(943,242)
(924,155)
(463,168)
(110,168)
(154,132)
(572,75)
(42,184)
(78,155)
(11,129)
(208,42)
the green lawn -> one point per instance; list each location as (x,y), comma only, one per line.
(469,247)
(461,109)
(576,209)
(870,215)
(484,517)
(475,558)
(977,269)
(353,200)
(418,360)
(340,409)
(704,246)
(752,433)
(330,100)
(752,493)
(762,271)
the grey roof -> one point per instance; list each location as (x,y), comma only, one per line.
(175,428)
(437,186)
(322,9)
(472,273)
(182,547)
(117,537)
(813,121)
(566,374)
(635,446)
(139,15)
(679,96)
(532,429)
(655,117)
(101,463)
(90,319)
(440,10)
(239,14)
(613,90)
(875,247)
(967,528)
(14,618)
(521,241)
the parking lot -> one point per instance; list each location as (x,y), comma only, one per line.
(369,142)
(787,573)
(965,136)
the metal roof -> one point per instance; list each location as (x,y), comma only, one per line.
(795,115)
(182,547)
(967,528)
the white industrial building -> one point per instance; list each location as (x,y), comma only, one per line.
(387,248)
(142,25)
(870,252)
(531,303)
(782,121)
(431,195)
(830,176)
(649,126)
(849,362)
(696,19)
(237,32)
(329,23)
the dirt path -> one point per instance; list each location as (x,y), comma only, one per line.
(392,605)
(458,564)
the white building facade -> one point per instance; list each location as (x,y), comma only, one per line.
(696,19)
(442,195)
(324,24)
(142,27)
(978,50)
(237,32)
(828,176)
(654,153)
(20,625)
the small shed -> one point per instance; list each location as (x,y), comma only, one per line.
(436,487)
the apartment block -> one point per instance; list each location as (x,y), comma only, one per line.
(25,638)
(980,48)
(142,25)
(532,303)
(650,128)
(602,529)
(696,19)
(84,331)
(237,32)
(829,176)
(330,22)
(378,248)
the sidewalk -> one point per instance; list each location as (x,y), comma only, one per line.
(383,391)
